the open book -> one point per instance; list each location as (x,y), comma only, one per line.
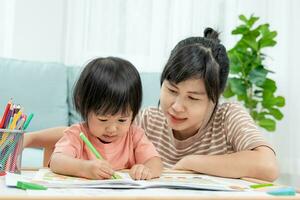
(167,180)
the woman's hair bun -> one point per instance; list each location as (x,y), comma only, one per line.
(211,34)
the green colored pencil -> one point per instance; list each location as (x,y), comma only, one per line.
(95,152)
(28,121)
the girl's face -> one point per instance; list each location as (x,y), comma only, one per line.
(186,106)
(109,128)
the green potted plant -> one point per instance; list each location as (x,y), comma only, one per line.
(249,79)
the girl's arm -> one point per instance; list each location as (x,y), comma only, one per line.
(66,165)
(92,169)
(150,169)
(43,138)
(259,163)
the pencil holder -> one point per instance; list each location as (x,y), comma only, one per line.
(11,145)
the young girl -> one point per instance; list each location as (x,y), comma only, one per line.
(108,96)
(193,131)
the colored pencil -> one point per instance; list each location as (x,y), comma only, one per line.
(94,151)
(5,114)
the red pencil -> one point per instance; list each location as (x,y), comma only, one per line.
(5,113)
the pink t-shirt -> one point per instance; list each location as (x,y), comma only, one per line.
(133,148)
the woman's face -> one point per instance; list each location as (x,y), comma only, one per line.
(186,106)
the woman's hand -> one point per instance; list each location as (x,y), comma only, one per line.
(234,165)
(140,172)
(97,169)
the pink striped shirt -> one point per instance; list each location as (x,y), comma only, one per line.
(231,129)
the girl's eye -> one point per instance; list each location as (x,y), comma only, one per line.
(122,120)
(102,120)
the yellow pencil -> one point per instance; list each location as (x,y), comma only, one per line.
(15,119)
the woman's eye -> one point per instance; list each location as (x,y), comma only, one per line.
(194,99)
(172,91)
(102,120)
(122,120)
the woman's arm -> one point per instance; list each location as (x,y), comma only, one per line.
(43,138)
(259,163)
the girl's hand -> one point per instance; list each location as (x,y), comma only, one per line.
(97,169)
(140,172)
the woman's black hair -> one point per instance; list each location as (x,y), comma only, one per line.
(199,57)
(108,86)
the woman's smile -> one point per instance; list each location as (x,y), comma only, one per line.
(176,120)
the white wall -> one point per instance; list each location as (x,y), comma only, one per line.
(72,31)
(33,29)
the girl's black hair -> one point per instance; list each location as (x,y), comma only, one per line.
(199,57)
(108,86)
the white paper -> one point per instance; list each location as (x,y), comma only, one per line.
(171,181)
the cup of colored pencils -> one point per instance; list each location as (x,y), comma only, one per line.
(12,128)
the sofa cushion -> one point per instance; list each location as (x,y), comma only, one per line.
(151,88)
(41,88)
(73,75)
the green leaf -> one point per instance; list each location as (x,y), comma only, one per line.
(266,43)
(258,75)
(243,18)
(268,124)
(250,103)
(242,97)
(261,115)
(242,29)
(268,99)
(269,85)
(237,86)
(267,39)
(280,101)
(228,92)
(235,67)
(254,115)
(252,20)
(265,31)
(276,113)
(250,41)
